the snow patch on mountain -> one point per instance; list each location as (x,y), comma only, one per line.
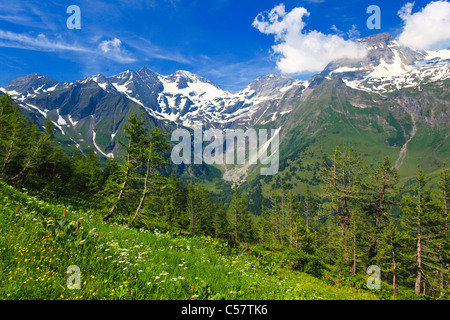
(98,148)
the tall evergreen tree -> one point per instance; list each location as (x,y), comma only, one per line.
(444,247)
(341,189)
(154,161)
(379,192)
(239,218)
(419,221)
(136,134)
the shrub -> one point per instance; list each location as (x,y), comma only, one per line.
(308,263)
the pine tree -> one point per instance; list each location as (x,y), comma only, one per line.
(342,188)
(136,134)
(154,161)
(444,247)
(13,136)
(191,206)
(234,207)
(309,208)
(87,174)
(419,219)
(239,218)
(175,203)
(391,253)
(380,190)
(37,141)
(220,221)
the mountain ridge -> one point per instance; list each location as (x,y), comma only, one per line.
(392,81)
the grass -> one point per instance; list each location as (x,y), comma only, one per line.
(38,244)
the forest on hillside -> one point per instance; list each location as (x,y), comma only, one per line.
(361,217)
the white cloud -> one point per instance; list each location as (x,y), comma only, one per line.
(299,51)
(113,49)
(428,28)
(37,43)
(108,46)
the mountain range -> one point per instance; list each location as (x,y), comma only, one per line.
(394,102)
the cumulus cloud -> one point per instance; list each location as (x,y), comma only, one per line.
(428,28)
(113,49)
(301,51)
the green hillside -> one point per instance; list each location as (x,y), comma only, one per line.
(38,244)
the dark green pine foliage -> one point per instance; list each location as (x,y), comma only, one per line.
(378,195)
(239,218)
(87,176)
(391,255)
(174,203)
(220,221)
(443,196)
(152,161)
(28,157)
(341,184)
(421,223)
(15,138)
(121,195)
(341,192)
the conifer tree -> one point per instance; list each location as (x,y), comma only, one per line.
(391,254)
(152,155)
(341,188)
(419,220)
(379,192)
(444,247)
(13,136)
(239,218)
(309,208)
(136,134)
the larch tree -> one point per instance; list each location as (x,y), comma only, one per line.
(153,161)
(444,247)
(418,220)
(379,192)
(136,134)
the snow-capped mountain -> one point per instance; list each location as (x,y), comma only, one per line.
(390,67)
(91,112)
(181,98)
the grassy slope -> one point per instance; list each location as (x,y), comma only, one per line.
(37,245)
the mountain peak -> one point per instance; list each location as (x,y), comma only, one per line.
(270,84)
(384,37)
(184,73)
(30,83)
(147,71)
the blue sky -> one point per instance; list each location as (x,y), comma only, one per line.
(216,39)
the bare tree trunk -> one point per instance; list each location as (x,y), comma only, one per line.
(307,204)
(277,231)
(441,258)
(9,152)
(122,189)
(235,217)
(418,284)
(27,165)
(354,254)
(290,229)
(191,212)
(144,191)
(283,218)
(394,263)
